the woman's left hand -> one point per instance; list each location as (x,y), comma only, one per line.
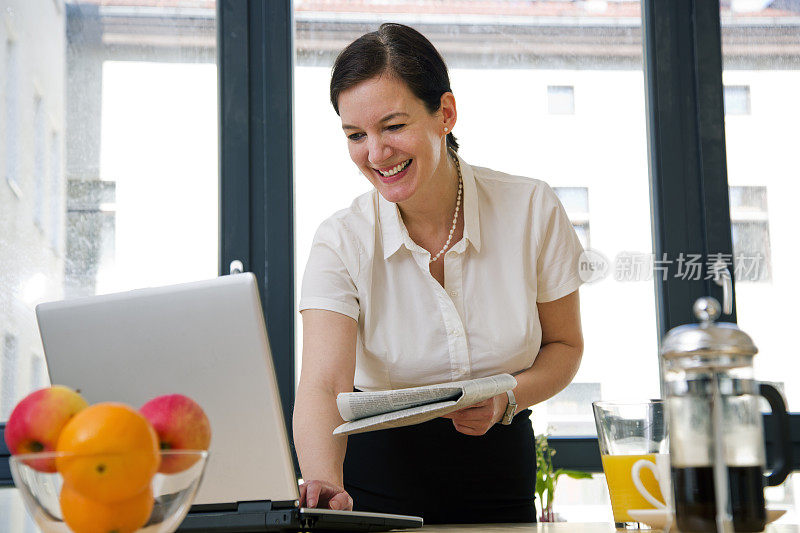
(477,419)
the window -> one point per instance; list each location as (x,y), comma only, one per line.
(560,99)
(527,50)
(736,99)
(91,211)
(762,170)
(38,372)
(56,202)
(750,233)
(38,163)
(517,134)
(576,202)
(109,113)
(566,411)
(8,377)
(11,109)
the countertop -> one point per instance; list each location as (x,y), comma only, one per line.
(572,527)
(13,519)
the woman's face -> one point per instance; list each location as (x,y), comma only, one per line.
(392,138)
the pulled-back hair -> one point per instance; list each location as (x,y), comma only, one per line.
(399,51)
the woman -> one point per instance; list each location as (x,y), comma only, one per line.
(444,272)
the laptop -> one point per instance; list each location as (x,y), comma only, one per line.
(207,340)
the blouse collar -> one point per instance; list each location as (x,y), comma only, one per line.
(394,233)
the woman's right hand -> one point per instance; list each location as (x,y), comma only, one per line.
(317,493)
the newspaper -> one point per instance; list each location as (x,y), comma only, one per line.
(370,411)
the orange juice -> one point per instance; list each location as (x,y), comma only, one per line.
(621,489)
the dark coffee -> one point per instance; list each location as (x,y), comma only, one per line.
(695,504)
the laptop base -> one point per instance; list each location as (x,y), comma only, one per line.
(288,516)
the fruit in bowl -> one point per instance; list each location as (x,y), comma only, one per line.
(111,452)
(37,420)
(105,474)
(53,505)
(89,516)
(181,424)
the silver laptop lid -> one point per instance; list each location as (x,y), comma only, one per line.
(204,339)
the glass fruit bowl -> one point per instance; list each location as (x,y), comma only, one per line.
(159,508)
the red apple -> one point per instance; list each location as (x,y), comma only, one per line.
(180,424)
(37,420)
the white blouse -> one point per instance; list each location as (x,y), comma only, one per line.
(518,248)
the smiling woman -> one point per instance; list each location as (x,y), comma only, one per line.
(397,143)
(380,311)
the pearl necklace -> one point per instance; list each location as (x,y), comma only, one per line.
(455,216)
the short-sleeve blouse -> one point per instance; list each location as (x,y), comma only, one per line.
(518,249)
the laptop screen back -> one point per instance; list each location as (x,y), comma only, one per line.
(206,340)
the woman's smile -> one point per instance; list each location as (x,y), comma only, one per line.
(395,173)
(396,142)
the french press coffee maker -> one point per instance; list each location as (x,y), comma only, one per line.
(717,455)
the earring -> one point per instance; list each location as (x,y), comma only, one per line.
(445,129)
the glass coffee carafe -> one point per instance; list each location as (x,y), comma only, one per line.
(715,425)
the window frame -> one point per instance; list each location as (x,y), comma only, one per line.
(255,53)
(688,175)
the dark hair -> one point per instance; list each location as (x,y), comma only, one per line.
(400,51)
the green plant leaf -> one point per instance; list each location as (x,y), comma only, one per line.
(576,474)
(546,477)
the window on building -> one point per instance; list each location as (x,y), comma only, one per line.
(570,411)
(561,99)
(11,115)
(736,99)
(8,374)
(91,212)
(752,257)
(57,206)
(576,202)
(39,152)
(39,378)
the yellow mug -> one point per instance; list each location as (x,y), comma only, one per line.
(637,482)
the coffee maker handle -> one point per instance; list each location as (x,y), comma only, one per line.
(783,464)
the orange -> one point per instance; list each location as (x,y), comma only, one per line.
(84,515)
(111,452)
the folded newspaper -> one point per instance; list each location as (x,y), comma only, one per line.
(370,411)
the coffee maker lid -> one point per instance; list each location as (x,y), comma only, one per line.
(708,344)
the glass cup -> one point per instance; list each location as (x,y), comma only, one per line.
(634,450)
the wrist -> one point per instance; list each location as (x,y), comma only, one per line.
(511,409)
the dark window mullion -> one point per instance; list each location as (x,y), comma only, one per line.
(234,137)
(711,128)
(256,176)
(679,148)
(272,187)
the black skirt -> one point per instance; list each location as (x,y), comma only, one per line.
(433,471)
